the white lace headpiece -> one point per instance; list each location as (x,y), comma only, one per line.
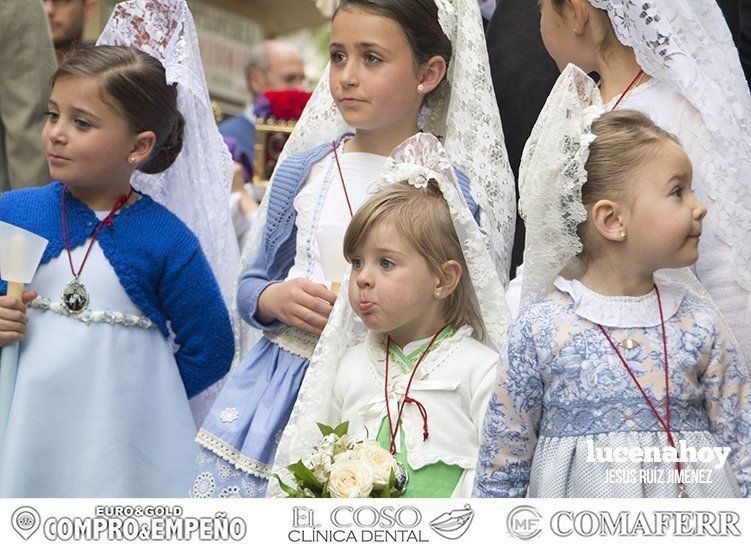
(196,187)
(418,159)
(462,110)
(551,177)
(688,43)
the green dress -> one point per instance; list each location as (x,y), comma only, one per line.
(438,479)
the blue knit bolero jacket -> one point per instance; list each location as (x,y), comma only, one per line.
(159,263)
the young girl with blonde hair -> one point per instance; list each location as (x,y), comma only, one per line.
(676,62)
(617,346)
(419,380)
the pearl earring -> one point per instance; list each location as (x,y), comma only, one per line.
(132,160)
(623,234)
(420,87)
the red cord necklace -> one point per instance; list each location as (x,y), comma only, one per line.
(75,296)
(341,177)
(664,423)
(393,430)
(630,87)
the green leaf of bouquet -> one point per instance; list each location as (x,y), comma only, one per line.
(290,491)
(341,429)
(306,477)
(325,429)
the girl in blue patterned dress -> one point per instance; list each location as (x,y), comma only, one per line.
(623,355)
(391,61)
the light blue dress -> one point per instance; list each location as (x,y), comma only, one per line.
(99,410)
(562,393)
(242,431)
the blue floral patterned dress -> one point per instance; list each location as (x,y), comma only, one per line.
(562,396)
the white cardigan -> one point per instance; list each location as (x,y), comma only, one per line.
(453,383)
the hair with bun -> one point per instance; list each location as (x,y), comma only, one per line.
(135,84)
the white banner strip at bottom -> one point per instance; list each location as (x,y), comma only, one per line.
(394,521)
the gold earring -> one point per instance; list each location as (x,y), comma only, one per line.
(623,234)
(437,294)
(132,160)
(420,88)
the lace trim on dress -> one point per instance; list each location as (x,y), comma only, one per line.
(294,340)
(232,455)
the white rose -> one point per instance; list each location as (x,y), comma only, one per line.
(381,461)
(350,479)
(320,465)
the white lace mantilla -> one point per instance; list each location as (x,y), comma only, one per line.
(196,187)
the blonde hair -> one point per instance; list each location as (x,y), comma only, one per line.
(423,219)
(624,140)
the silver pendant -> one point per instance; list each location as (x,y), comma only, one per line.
(75,297)
(629,343)
(401,478)
(682,493)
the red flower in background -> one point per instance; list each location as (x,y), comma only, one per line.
(283,105)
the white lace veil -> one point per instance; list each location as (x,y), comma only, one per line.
(196,187)
(418,159)
(551,177)
(462,110)
(688,43)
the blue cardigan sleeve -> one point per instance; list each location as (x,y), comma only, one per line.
(252,283)
(276,254)
(193,305)
(464,184)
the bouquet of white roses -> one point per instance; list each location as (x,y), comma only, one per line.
(342,467)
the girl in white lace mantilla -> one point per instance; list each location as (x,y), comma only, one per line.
(416,257)
(394,65)
(692,85)
(612,353)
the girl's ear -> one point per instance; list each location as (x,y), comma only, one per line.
(451,273)
(430,74)
(580,10)
(607,219)
(142,146)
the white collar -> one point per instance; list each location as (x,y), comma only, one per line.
(624,312)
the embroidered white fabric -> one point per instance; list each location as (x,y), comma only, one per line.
(462,110)
(88,315)
(551,177)
(196,187)
(688,43)
(419,158)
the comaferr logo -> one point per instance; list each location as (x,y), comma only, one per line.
(524,522)
(672,523)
